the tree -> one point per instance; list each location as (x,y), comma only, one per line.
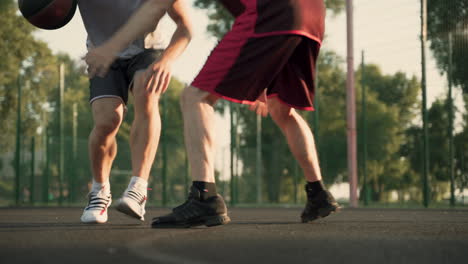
(29,60)
(444,18)
(391,106)
(4,4)
(461,155)
(438,150)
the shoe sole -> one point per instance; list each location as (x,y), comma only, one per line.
(125,209)
(208,221)
(323,212)
(93,222)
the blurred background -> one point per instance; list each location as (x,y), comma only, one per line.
(45,116)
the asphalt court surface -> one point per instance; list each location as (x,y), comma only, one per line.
(273,235)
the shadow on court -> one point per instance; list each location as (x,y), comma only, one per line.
(273,235)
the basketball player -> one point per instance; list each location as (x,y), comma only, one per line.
(137,65)
(268,61)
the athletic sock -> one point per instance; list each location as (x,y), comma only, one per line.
(207,189)
(139,184)
(315,187)
(97,186)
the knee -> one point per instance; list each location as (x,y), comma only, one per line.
(279,112)
(108,124)
(144,97)
(146,104)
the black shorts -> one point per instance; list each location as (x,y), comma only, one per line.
(118,80)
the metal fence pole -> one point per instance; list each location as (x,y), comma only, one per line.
(450,128)
(61,170)
(31,180)
(18,146)
(164,150)
(424,104)
(364,133)
(232,201)
(45,177)
(236,152)
(259,160)
(73,166)
(351,108)
(296,177)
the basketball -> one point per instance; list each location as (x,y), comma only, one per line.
(48,14)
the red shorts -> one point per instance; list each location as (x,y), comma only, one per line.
(239,69)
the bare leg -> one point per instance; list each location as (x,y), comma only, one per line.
(199,117)
(299,136)
(107,114)
(146,128)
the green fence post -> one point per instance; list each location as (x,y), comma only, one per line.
(364,133)
(296,177)
(426,191)
(450,128)
(45,177)
(73,166)
(259,160)
(61,137)
(231,112)
(31,180)
(236,151)
(164,151)
(18,146)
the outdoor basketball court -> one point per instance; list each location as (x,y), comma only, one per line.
(55,235)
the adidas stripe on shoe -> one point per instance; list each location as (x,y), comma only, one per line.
(96,210)
(132,204)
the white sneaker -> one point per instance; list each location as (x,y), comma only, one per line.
(132,204)
(96,210)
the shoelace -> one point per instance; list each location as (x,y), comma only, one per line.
(140,198)
(98,201)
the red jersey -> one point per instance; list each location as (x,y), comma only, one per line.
(279,17)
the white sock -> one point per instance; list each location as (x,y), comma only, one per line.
(97,186)
(140,184)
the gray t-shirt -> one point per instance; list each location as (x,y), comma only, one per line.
(102,18)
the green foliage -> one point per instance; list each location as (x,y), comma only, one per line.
(461,154)
(220,19)
(439,162)
(445,17)
(30,61)
(4,4)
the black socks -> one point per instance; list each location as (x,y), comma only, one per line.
(315,187)
(207,189)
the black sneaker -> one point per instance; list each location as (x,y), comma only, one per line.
(319,205)
(195,212)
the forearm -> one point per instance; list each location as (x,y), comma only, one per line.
(179,42)
(144,20)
